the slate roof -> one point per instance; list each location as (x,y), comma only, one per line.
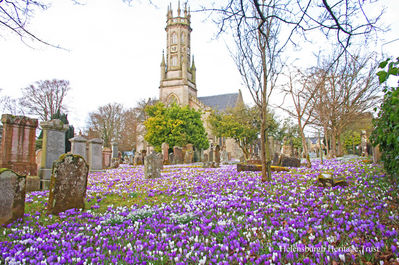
(220,102)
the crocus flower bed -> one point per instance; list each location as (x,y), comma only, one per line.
(215,216)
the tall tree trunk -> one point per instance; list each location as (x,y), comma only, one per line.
(326,139)
(333,144)
(304,144)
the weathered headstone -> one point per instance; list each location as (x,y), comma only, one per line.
(189,155)
(53,146)
(153,165)
(138,159)
(206,159)
(114,149)
(107,154)
(376,154)
(12,196)
(78,146)
(286,161)
(224,156)
(172,158)
(68,184)
(32,183)
(115,163)
(178,155)
(165,153)
(217,154)
(143,155)
(211,154)
(95,157)
(18,144)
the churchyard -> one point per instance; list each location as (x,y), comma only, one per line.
(195,215)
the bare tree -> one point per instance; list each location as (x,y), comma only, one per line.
(10,105)
(45,98)
(302,88)
(259,60)
(349,89)
(108,122)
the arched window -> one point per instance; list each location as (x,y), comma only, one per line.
(174,38)
(172,98)
(182,40)
(174,60)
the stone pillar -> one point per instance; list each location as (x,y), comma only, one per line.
(18,144)
(107,155)
(95,157)
(165,153)
(114,149)
(78,146)
(53,146)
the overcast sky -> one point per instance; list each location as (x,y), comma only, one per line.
(114,52)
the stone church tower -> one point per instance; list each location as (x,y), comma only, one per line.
(178,70)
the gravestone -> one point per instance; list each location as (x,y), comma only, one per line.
(189,155)
(18,144)
(95,156)
(53,146)
(286,161)
(78,146)
(165,153)
(138,159)
(224,156)
(143,155)
(197,156)
(217,154)
(12,196)
(178,155)
(206,159)
(32,183)
(115,152)
(211,155)
(171,158)
(115,163)
(107,154)
(68,184)
(153,165)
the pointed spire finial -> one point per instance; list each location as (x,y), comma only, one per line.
(178,9)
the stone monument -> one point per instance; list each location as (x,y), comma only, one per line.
(12,196)
(95,157)
(68,184)
(53,146)
(153,165)
(18,144)
(78,146)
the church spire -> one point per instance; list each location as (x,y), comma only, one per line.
(178,9)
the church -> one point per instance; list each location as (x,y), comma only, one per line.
(178,77)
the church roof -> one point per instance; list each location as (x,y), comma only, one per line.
(221,102)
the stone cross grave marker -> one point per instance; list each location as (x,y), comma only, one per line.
(12,196)
(68,184)
(153,165)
